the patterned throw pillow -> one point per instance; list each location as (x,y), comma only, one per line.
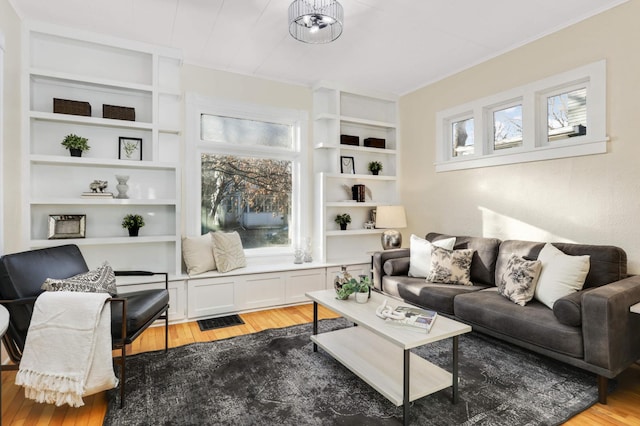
(450,266)
(228,252)
(518,283)
(101,280)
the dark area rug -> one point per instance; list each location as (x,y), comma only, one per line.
(220,322)
(274,378)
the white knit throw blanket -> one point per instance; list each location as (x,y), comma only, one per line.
(67,353)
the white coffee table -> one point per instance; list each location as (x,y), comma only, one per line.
(379,352)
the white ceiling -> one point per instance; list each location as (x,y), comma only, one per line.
(387,45)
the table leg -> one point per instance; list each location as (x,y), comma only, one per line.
(405,392)
(315,324)
(454,398)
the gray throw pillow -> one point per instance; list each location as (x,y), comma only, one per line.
(100,280)
(518,283)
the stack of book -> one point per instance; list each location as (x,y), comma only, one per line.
(97,195)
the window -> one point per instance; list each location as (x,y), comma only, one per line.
(546,119)
(247,171)
(507,128)
(463,137)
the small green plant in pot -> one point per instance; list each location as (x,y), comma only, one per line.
(343,219)
(133,222)
(75,144)
(375,167)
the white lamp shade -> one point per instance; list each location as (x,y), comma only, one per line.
(391,217)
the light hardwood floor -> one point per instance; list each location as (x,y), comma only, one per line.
(623,406)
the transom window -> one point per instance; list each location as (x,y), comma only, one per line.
(546,119)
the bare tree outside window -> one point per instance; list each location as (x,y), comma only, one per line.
(567,114)
(248,195)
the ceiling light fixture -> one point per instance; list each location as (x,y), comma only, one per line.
(315,21)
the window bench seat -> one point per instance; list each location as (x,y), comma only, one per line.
(259,285)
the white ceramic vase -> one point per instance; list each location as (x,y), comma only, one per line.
(122,186)
(362,297)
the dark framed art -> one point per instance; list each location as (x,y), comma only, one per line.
(63,226)
(347,165)
(130,149)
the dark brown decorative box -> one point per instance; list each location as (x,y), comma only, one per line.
(349,140)
(374,143)
(65,106)
(118,112)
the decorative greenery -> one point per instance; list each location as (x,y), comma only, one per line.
(72,141)
(354,285)
(132,221)
(129,148)
(375,166)
(343,219)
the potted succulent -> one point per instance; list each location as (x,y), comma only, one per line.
(375,167)
(358,286)
(362,289)
(75,144)
(133,222)
(343,219)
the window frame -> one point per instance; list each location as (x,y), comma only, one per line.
(535,146)
(196,105)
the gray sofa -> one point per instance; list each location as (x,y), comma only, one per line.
(592,329)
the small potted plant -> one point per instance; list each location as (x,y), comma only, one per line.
(375,167)
(363,290)
(133,222)
(343,219)
(75,144)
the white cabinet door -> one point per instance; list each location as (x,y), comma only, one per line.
(300,282)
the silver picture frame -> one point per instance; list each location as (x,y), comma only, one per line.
(63,226)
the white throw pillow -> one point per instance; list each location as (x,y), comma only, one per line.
(227,250)
(420,254)
(197,253)
(561,274)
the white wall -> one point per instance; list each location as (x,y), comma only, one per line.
(10,154)
(591,200)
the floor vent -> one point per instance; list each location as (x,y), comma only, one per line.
(220,322)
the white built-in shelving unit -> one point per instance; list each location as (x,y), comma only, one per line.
(72,65)
(339,111)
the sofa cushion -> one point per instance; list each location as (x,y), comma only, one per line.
(417,291)
(420,255)
(450,266)
(398,266)
(534,324)
(568,309)
(483,264)
(608,263)
(518,283)
(561,274)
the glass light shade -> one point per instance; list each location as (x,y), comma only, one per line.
(315,21)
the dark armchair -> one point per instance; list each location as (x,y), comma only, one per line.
(22,275)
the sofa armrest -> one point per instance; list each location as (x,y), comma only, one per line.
(378,260)
(610,330)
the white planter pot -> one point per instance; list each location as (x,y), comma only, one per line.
(362,297)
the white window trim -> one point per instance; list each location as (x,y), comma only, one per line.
(534,138)
(2,233)
(195,146)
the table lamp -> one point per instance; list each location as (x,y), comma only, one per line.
(389,218)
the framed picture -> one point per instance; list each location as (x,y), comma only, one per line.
(347,165)
(66,226)
(130,149)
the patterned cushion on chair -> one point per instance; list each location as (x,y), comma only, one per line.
(100,280)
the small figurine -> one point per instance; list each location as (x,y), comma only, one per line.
(98,186)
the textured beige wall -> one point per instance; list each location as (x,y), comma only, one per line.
(592,199)
(10,27)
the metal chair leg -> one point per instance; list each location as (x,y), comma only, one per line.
(123,361)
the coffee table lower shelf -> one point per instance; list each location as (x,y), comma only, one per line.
(380,363)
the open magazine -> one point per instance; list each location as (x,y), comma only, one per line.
(415,317)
